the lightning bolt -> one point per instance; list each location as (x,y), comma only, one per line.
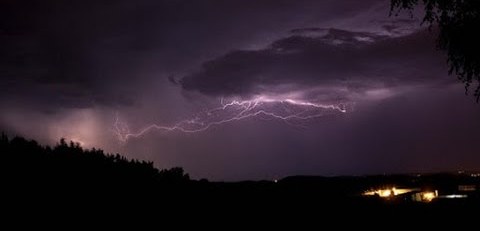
(287,110)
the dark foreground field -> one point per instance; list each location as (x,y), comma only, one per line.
(68,179)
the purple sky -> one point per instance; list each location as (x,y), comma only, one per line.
(73,68)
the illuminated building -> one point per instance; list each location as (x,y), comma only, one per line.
(467,188)
(424,196)
(412,194)
(388,192)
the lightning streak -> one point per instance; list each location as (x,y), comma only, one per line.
(287,110)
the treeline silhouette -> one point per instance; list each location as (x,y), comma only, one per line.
(68,166)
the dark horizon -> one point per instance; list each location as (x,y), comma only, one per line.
(72,181)
(239,90)
(76,145)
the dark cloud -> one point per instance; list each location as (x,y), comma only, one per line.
(399,26)
(101,50)
(322,57)
(69,68)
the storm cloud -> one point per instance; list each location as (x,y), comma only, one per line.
(327,58)
(84,53)
(73,68)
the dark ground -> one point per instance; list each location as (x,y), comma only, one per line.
(67,179)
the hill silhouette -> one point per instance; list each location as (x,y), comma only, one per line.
(67,177)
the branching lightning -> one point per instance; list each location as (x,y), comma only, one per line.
(287,110)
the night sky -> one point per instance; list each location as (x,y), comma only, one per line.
(237,89)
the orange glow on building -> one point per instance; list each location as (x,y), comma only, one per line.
(388,192)
(429,196)
(414,194)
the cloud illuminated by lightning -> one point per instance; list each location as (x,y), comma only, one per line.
(284,109)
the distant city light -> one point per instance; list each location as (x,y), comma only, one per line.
(454,196)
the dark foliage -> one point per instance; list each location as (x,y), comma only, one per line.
(68,166)
(458,22)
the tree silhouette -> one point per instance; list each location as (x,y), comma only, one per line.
(457,21)
(68,165)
